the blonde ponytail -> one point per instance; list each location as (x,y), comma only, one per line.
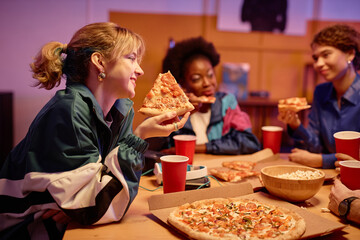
(48,64)
(72,60)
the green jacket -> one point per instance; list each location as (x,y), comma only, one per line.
(71,160)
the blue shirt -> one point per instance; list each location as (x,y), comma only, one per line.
(325,119)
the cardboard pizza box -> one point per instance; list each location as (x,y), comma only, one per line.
(263,158)
(161,206)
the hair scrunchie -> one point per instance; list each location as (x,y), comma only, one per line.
(60,50)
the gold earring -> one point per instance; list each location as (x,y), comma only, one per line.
(101,76)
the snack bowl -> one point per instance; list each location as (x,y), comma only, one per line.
(291,182)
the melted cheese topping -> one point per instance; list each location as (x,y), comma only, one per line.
(166,94)
(244,220)
(297,101)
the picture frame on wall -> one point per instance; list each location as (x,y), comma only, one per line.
(276,16)
(235,79)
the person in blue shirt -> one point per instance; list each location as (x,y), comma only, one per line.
(336,103)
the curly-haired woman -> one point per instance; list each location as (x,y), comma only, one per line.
(336,104)
(220,127)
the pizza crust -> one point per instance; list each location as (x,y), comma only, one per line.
(296,231)
(155,112)
(283,107)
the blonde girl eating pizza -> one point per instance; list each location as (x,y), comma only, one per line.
(80,159)
(336,103)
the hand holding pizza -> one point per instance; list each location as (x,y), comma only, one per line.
(194,101)
(288,109)
(163,104)
(155,127)
(290,118)
(201,103)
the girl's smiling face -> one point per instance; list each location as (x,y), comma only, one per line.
(122,73)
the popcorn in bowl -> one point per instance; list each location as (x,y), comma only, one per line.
(294,183)
(299,174)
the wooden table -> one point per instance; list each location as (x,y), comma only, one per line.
(139,223)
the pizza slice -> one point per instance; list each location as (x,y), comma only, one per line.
(166,95)
(204,99)
(201,99)
(230,175)
(295,104)
(239,165)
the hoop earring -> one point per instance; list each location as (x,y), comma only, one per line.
(101,76)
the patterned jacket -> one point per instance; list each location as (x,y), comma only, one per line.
(71,160)
(229,130)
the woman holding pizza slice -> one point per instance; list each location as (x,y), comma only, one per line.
(220,126)
(80,159)
(336,103)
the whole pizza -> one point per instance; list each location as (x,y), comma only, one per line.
(233,218)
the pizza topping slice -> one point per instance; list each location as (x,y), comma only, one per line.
(230,175)
(234,171)
(166,95)
(295,104)
(207,99)
(239,165)
(203,99)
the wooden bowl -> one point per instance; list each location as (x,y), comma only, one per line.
(290,189)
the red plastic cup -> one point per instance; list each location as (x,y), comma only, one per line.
(348,142)
(272,137)
(174,169)
(185,146)
(349,173)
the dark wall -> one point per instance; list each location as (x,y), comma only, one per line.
(6,125)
